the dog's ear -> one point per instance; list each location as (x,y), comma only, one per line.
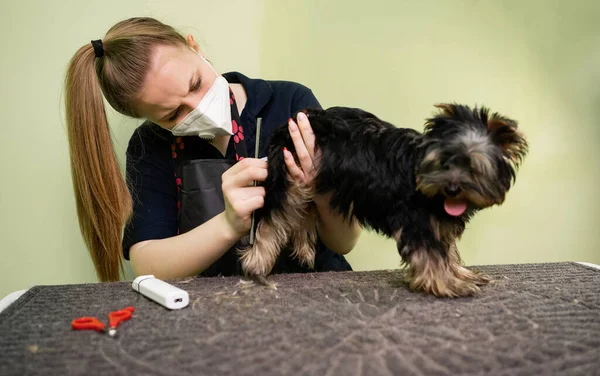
(440,119)
(447,109)
(496,121)
(505,133)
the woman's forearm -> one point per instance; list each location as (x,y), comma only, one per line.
(193,252)
(337,234)
(184,255)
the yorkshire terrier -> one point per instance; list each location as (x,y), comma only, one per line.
(417,188)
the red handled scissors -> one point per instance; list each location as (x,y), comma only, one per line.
(114,319)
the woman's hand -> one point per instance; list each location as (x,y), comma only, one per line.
(304,142)
(337,234)
(241,197)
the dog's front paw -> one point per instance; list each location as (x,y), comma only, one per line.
(472,276)
(434,274)
(442,286)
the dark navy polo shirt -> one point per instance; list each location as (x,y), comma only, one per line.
(150,167)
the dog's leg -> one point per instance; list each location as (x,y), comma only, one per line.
(431,272)
(462,273)
(271,236)
(274,231)
(301,217)
(304,238)
(434,267)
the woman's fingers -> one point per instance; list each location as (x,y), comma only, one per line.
(246,175)
(241,197)
(247,193)
(293,169)
(242,165)
(244,207)
(301,151)
(307,134)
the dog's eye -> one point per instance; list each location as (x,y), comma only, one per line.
(473,169)
(478,167)
(458,161)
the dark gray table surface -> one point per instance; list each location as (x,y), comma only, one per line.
(536,319)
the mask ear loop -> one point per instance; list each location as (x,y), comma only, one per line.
(206,61)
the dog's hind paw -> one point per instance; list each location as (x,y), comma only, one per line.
(245,283)
(263,281)
(256,267)
(256,263)
(306,256)
(252,281)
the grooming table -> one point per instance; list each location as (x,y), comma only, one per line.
(536,319)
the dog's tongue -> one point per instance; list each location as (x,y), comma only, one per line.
(455,207)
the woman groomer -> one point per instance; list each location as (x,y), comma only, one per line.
(189,197)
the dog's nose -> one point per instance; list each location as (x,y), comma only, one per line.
(452,190)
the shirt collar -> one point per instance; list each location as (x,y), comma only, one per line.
(258,92)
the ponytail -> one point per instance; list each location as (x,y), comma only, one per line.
(116,68)
(103,200)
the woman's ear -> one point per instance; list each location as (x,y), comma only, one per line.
(192,44)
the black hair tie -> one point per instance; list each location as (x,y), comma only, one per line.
(98,48)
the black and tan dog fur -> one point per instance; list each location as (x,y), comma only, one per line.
(417,188)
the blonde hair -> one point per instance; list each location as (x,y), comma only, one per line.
(103,201)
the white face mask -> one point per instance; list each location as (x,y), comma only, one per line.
(212,116)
